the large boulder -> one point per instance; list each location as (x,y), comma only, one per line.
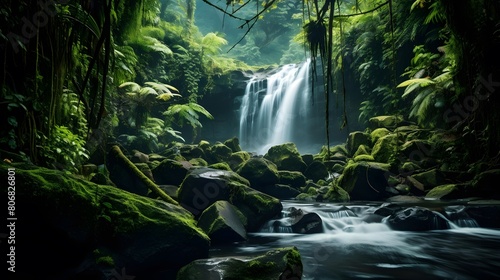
(237,159)
(70,217)
(364,181)
(204,186)
(171,172)
(282,263)
(259,172)
(416,219)
(218,153)
(223,223)
(294,179)
(286,157)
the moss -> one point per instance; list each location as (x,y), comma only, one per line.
(286,157)
(220,166)
(272,265)
(198,162)
(117,157)
(105,261)
(385,149)
(389,122)
(306,197)
(364,158)
(233,144)
(379,133)
(336,194)
(312,191)
(362,150)
(323,154)
(127,211)
(356,139)
(441,191)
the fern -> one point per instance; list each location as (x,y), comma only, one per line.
(188,113)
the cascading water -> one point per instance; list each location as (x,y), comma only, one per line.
(357,243)
(278,107)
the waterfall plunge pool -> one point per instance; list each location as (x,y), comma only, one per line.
(358,247)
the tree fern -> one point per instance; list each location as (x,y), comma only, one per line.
(187,113)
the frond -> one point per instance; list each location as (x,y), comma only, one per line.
(200,109)
(133,87)
(161,88)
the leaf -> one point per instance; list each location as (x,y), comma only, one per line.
(134,87)
(107,205)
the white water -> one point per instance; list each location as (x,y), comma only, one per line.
(277,108)
(355,244)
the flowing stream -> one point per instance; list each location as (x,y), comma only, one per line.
(279,107)
(357,244)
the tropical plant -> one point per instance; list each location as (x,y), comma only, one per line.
(430,94)
(64,149)
(142,99)
(181,114)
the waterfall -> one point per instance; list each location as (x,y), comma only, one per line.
(277,108)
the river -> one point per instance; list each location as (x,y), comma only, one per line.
(361,246)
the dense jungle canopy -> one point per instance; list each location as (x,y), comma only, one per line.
(77,73)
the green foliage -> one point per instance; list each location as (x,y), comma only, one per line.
(64,149)
(187,114)
(431,91)
(141,99)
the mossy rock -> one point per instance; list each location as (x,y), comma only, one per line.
(336,194)
(144,168)
(294,179)
(282,263)
(68,215)
(171,172)
(219,153)
(337,149)
(429,179)
(364,181)
(220,166)
(306,197)
(417,150)
(356,139)
(286,157)
(338,168)
(127,176)
(259,172)
(236,160)
(448,191)
(389,122)
(204,145)
(191,151)
(233,144)
(409,167)
(360,158)
(378,133)
(198,162)
(203,186)
(362,150)
(316,171)
(385,149)
(223,223)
